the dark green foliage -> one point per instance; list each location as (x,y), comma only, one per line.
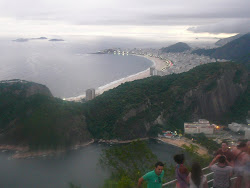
(41,121)
(128,163)
(175,48)
(72,185)
(237,76)
(122,112)
(193,156)
(210,86)
(204,141)
(155,130)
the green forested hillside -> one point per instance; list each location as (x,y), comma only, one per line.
(130,110)
(39,120)
(30,115)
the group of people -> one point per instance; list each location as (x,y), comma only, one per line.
(226,163)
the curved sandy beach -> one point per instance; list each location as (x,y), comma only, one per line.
(157,63)
(182,141)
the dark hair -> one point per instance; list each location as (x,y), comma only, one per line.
(222,159)
(196,173)
(241,145)
(225,142)
(179,158)
(158,164)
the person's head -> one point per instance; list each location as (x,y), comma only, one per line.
(235,150)
(158,168)
(222,159)
(179,158)
(242,146)
(224,146)
(196,173)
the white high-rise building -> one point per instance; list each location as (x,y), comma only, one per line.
(90,94)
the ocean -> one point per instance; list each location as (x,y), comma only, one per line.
(67,68)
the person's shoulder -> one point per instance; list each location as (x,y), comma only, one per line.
(147,175)
(162,173)
(183,169)
(213,167)
(229,167)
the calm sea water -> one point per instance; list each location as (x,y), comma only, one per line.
(78,166)
(65,67)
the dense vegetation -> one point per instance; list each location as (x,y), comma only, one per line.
(127,163)
(131,161)
(122,112)
(175,48)
(39,120)
(224,41)
(204,141)
(126,112)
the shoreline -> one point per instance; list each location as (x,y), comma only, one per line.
(157,63)
(179,142)
(23,152)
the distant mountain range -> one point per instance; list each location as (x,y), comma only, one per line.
(176,48)
(237,50)
(56,40)
(40,38)
(224,41)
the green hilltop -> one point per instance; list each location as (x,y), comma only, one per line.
(176,48)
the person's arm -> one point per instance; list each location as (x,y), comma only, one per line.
(214,161)
(140,182)
(188,178)
(231,172)
(229,163)
(205,185)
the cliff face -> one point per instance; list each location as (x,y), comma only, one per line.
(214,103)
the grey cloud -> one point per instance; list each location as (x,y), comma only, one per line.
(208,16)
(228,26)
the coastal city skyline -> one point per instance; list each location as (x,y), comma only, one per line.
(148,20)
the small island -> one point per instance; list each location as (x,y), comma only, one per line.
(56,40)
(21,40)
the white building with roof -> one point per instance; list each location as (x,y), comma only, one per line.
(202,126)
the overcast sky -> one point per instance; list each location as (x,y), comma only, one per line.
(127,18)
